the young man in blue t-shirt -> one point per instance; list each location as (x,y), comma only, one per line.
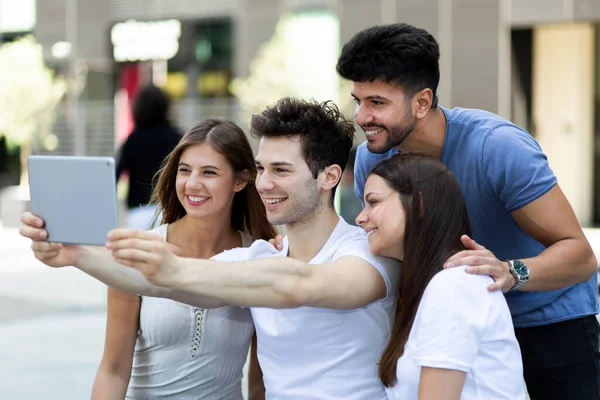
(525,233)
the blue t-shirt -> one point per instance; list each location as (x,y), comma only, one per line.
(500,168)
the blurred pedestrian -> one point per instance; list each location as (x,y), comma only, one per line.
(152,138)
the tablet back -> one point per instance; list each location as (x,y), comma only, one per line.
(76,196)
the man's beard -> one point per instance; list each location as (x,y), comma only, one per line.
(396,135)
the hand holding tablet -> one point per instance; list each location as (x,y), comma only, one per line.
(75,196)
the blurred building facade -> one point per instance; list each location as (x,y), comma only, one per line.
(532,61)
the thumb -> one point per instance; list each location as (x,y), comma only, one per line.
(470,244)
(279,242)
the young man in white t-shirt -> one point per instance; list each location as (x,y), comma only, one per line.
(321,329)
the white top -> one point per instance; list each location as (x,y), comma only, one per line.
(185,352)
(460,325)
(314,353)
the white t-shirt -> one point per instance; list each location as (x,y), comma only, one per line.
(460,325)
(185,352)
(313,353)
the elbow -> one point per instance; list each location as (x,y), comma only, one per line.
(591,265)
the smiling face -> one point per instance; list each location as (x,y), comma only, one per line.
(383,218)
(288,190)
(384,112)
(205,182)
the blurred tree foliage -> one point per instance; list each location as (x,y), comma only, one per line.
(29,94)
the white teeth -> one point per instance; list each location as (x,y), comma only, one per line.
(370,133)
(371,232)
(197,199)
(273,201)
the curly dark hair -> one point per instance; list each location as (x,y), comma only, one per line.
(326,136)
(397,53)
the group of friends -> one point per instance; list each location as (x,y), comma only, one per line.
(468,277)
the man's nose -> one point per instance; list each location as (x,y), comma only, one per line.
(264,182)
(362,116)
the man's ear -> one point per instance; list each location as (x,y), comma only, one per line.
(331,177)
(422,101)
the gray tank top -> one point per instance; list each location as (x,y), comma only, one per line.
(184,352)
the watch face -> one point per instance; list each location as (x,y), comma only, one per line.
(521,268)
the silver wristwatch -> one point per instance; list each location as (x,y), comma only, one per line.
(520,271)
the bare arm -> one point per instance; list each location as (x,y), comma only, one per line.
(567,260)
(347,283)
(93,260)
(98,263)
(441,384)
(122,324)
(256,385)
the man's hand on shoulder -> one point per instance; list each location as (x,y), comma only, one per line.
(481,261)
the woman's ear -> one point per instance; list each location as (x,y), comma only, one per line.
(241,183)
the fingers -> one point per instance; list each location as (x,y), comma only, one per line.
(31,220)
(133,257)
(470,244)
(469,257)
(498,285)
(118,234)
(33,233)
(156,245)
(38,246)
(503,280)
(45,251)
(277,242)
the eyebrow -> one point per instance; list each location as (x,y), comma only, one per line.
(277,163)
(182,164)
(375,97)
(370,194)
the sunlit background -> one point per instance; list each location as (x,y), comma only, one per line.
(69,70)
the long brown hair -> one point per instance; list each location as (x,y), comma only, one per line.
(436,218)
(248,213)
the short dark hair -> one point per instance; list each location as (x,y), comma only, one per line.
(150,106)
(326,136)
(397,53)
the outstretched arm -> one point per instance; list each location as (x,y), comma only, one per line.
(98,263)
(347,283)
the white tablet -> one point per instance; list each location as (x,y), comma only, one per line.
(76,197)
